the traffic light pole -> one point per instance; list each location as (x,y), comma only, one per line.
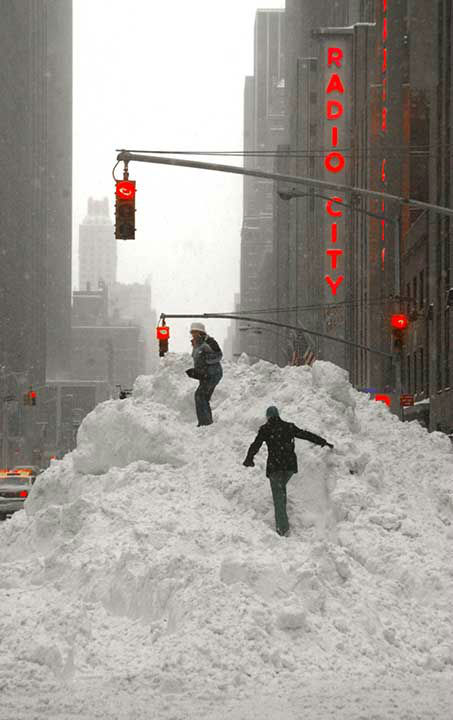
(397,357)
(5,433)
(220,316)
(126,157)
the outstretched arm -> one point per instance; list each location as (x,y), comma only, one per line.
(253,449)
(311,437)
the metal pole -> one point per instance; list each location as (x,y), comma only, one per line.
(5,434)
(398,355)
(58,419)
(127,157)
(353,208)
(397,233)
(272,322)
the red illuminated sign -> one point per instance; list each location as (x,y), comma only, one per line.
(334,162)
(125,189)
(383,398)
(384,114)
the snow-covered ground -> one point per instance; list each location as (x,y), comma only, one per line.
(145,579)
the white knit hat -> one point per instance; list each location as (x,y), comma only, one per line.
(199,327)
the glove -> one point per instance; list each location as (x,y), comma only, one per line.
(248,463)
(196,374)
(329,445)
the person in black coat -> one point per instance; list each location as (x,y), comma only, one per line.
(281,461)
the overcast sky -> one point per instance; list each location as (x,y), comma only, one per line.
(166,75)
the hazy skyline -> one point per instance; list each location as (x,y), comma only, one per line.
(166,76)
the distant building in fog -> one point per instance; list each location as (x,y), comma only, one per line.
(132,302)
(103,348)
(97,247)
(264,129)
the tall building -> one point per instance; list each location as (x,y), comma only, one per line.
(264,129)
(369,89)
(35,202)
(59,186)
(97,247)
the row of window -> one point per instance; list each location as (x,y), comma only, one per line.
(415,291)
(416,379)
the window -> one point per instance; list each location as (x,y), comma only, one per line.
(414,293)
(415,373)
(408,379)
(422,287)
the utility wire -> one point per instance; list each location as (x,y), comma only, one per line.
(289,152)
(294,308)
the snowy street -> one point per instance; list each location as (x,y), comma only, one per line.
(145,579)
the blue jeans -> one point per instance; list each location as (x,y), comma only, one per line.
(279,480)
(203,394)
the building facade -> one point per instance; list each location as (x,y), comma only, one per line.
(35,203)
(97,247)
(264,129)
(132,302)
(368,97)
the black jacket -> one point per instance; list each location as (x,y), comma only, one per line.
(279,438)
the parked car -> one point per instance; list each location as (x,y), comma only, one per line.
(30,469)
(14,490)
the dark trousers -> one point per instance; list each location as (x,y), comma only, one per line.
(279,480)
(203,394)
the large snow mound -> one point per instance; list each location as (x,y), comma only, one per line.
(145,579)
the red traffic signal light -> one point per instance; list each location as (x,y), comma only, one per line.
(125,189)
(399,322)
(30,398)
(125,210)
(162,334)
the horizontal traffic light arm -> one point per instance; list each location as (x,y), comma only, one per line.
(127,157)
(219,316)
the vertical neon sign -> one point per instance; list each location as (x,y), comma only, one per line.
(384,114)
(334,162)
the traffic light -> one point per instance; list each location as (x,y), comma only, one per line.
(125,210)
(399,324)
(163,334)
(30,397)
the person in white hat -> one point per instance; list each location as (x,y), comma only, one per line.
(207,369)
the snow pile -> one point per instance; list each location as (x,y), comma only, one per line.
(145,577)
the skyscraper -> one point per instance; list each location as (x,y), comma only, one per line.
(97,247)
(59,186)
(264,129)
(35,204)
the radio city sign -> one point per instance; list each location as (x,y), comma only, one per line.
(336,134)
